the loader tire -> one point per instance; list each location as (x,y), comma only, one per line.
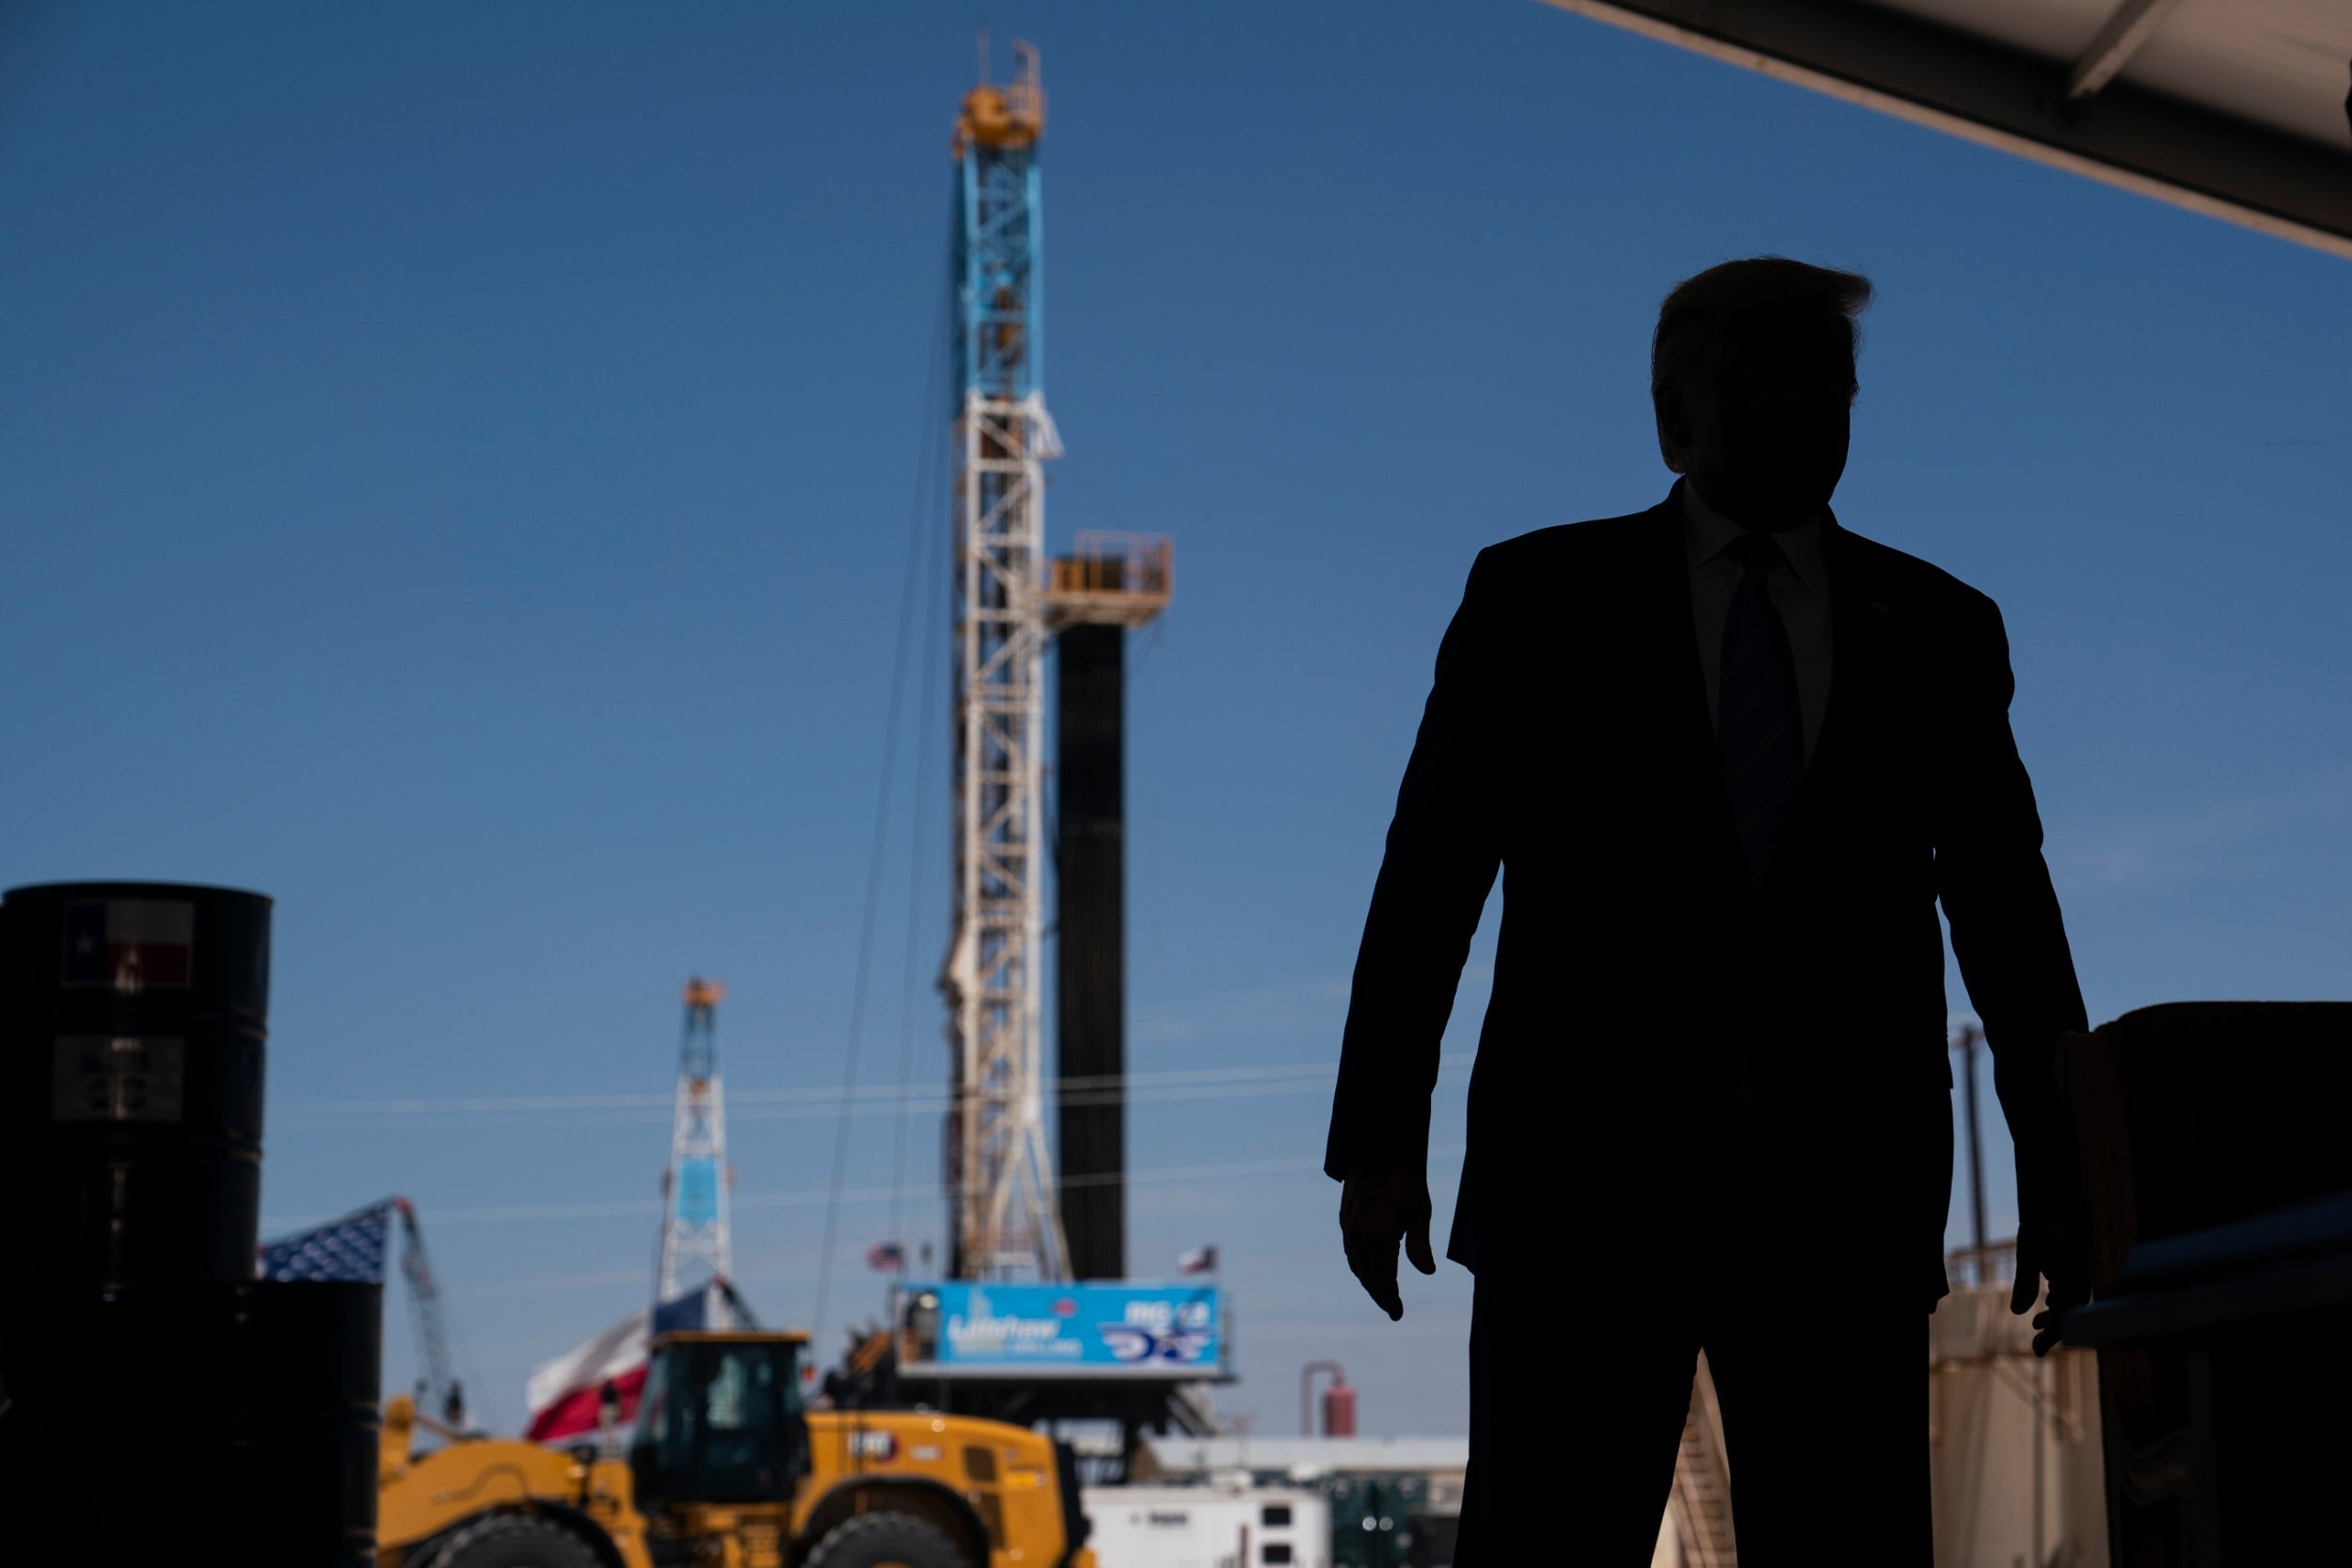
(513,1540)
(885,1540)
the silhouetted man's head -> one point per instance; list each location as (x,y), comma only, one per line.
(1752,373)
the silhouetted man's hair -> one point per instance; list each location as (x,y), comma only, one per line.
(1763,294)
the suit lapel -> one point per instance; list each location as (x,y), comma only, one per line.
(1689,729)
(1661,644)
(1858,615)
(1685,729)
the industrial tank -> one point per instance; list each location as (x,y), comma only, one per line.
(133,1023)
(220,1417)
(230,1423)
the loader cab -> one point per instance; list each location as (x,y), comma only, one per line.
(720,1420)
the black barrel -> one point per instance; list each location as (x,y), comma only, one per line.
(298,1462)
(229,1424)
(133,1023)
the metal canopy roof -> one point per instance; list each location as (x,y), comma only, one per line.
(2234,108)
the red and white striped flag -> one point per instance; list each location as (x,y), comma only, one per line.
(566,1395)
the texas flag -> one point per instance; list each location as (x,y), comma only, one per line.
(566,1395)
(128,944)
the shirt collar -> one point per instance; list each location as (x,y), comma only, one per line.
(1706,533)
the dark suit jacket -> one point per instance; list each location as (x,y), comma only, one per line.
(1646,992)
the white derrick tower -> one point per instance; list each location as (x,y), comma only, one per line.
(694,1245)
(1002,1218)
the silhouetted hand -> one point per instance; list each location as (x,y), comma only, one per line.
(2032,1251)
(1379,1209)
(2051,1243)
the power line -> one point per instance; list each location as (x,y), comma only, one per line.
(877,1103)
(822,1096)
(936,616)
(802,1198)
(934,396)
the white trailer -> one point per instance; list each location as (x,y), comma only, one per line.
(1209,1527)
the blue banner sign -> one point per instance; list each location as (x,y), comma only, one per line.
(1151,1330)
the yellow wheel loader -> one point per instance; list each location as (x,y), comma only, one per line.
(724,1468)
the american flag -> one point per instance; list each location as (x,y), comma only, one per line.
(350,1248)
(887,1258)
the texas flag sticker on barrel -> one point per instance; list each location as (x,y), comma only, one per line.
(128,944)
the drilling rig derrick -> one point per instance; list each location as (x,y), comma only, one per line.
(1001,1214)
(696,1248)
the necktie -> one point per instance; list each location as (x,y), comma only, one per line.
(1761,732)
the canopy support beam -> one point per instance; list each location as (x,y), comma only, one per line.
(2269,181)
(2117,43)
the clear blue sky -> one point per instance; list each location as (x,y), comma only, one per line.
(457,464)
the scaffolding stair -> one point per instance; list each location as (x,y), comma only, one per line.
(1701,1501)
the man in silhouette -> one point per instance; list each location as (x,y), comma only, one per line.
(1729,757)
